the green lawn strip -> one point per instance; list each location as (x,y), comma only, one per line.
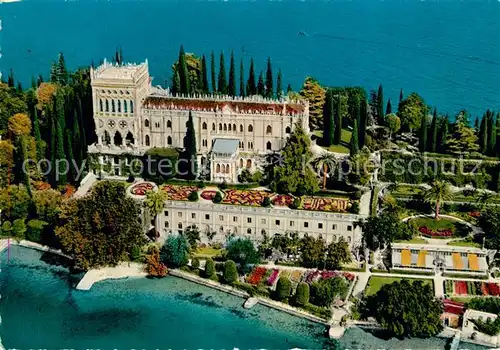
(464,243)
(415,240)
(207,252)
(376,282)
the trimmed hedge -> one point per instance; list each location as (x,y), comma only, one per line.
(459,275)
(319,311)
(416,272)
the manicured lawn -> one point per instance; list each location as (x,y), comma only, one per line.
(415,240)
(406,191)
(461,299)
(207,252)
(344,143)
(433,224)
(376,282)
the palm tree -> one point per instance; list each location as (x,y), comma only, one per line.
(324,162)
(438,193)
(484,198)
(155,203)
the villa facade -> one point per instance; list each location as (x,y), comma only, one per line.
(232,133)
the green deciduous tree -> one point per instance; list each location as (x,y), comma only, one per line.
(393,123)
(242,251)
(337,253)
(192,234)
(408,309)
(312,252)
(315,94)
(324,292)
(384,229)
(411,111)
(175,251)
(230,273)
(100,228)
(490,223)
(463,138)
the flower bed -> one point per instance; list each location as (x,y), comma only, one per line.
(328,274)
(491,289)
(296,275)
(474,214)
(274,276)
(140,189)
(178,193)
(312,276)
(282,200)
(256,275)
(243,197)
(460,288)
(439,233)
(208,195)
(326,204)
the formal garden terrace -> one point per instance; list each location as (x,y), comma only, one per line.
(258,197)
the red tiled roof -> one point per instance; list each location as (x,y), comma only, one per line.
(453,307)
(212,105)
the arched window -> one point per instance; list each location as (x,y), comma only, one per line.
(213,126)
(119,106)
(241,162)
(229,127)
(147,140)
(250,128)
(107,106)
(169,140)
(225,127)
(249,231)
(113,106)
(129,139)
(169,124)
(269,130)
(146,123)
(204,126)
(125,106)
(241,128)
(227,169)
(287,130)
(221,229)
(249,163)
(268,145)
(234,127)
(220,127)
(100,105)
(217,168)
(117,139)
(131,106)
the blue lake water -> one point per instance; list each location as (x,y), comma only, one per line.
(41,309)
(448,51)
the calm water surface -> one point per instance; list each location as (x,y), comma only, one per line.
(41,309)
(448,51)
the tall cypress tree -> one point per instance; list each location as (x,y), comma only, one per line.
(190,149)
(77,141)
(184,83)
(232,77)
(39,80)
(289,88)
(53,73)
(242,79)
(269,79)
(328,124)
(222,82)
(388,109)
(279,85)
(491,133)
(70,158)
(434,132)
(22,144)
(380,104)
(476,124)
(363,122)
(443,134)
(10,79)
(212,71)
(260,85)
(338,121)
(497,143)
(62,72)
(483,135)
(251,86)
(422,144)
(354,146)
(204,80)
(60,130)
(401,95)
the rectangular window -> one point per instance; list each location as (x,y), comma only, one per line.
(334,227)
(277,222)
(165,212)
(235,219)
(306,224)
(207,216)
(349,228)
(193,215)
(179,225)
(292,223)
(166,224)
(249,220)
(221,217)
(263,221)
(320,225)
(179,214)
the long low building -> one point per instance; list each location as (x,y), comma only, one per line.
(439,257)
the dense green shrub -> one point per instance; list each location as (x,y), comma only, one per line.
(295,204)
(19,228)
(283,289)
(230,273)
(223,185)
(35,229)
(135,254)
(491,305)
(195,263)
(6,228)
(266,202)
(301,297)
(175,251)
(324,292)
(322,312)
(209,268)
(218,197)
(193,196)
(202,184)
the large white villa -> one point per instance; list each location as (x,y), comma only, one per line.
(232,133)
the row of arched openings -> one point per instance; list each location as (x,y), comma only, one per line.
(221,168)
(117,139)
(110,107)
(147,140)
(146,124)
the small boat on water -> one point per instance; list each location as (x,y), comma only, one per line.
(301,33)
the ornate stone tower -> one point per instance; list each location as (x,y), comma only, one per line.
(117,94)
